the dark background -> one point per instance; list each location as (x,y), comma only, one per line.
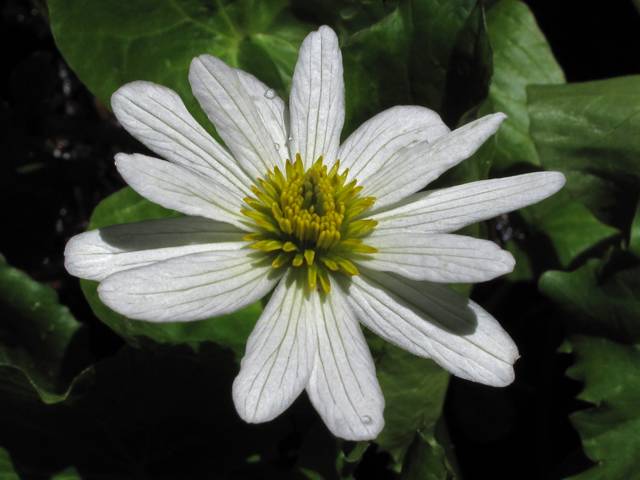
(58,143)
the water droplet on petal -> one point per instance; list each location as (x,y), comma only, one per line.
(270,94)
(290,137)
(277,146)
(367,420)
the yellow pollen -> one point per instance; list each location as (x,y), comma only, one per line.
(307,219)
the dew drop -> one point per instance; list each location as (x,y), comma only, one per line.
(367,420)
(290,137)
(270,94)
(277,146)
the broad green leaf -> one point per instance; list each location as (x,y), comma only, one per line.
(110,43)
(600,302)
(164,412)
(521,57)
(6,467)
(227,330)
(36,333)
(422,461)
(570,226)
(591,133)
(413,389)
(426,52)
(609,430)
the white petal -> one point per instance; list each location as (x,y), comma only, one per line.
(272,110)
(450,209)
(317,98)
(434,321)
(437,258)
(280,354)
(229,106)
(343,386)
(180,189)
(383,138)
(156,116)
(426,161)
(99,253)
(192,287)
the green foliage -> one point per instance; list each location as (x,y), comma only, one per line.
(38,336)
(521,57)
(422,462)
(569,225)
(609,429)
(413,389)
(111,43)
(602,297)
(426,52)
(230,330)
(602,301)
(589,131)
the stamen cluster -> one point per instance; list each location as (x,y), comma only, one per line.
(307,217)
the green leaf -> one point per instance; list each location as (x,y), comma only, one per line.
(570,226)
(230,331)
(603,301)
(591,133)
(426,52)
(6,467)
(111,43)
(164,412)
(422,462)
(414,390)
(521,57)
(600,302)
(37,334)
(609,430)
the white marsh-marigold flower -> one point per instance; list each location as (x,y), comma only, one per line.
(338,233)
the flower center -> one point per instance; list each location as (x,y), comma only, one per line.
(307,219)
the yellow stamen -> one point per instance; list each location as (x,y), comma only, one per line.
(309,216)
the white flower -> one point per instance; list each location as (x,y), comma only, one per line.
(237,241)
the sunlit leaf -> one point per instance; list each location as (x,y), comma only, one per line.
(110,43)
(591,133)
(521,57)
